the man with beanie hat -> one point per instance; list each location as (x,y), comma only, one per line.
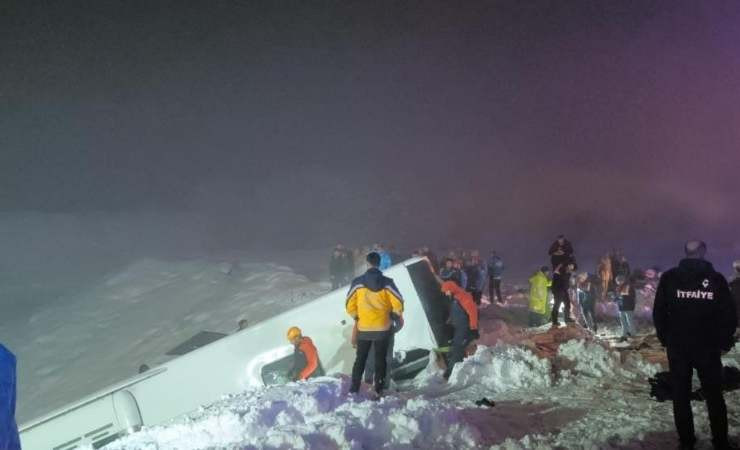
(695,319)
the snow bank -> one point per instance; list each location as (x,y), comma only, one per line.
(313,415)
(593,360)
(503,368)
(590,359)
(102,334)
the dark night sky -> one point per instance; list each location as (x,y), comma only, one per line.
(312,121)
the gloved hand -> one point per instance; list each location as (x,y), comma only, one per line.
(475,334)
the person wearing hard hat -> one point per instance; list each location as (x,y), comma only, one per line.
(306,358)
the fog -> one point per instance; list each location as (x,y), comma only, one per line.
(295,125)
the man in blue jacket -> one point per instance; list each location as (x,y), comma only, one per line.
(476,271)
(8,429)
(385,258)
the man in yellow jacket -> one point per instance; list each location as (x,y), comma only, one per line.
(539,285)
(371,301)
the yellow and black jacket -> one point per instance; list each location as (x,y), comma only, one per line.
(371,300)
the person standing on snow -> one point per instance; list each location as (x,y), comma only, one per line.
(495,272)
(539,287)
(348,269)
(385,258)
(625,297)
(606,275)
(695,319)
(371,300)
(462,277)
(561,252)
(735,286)
(560,286)
(369,374)
(306,362)
(464,318)
(622,267)
(336,267)
(586,292)
(476,272)
(9,439)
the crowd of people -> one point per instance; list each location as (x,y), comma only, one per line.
(559,286)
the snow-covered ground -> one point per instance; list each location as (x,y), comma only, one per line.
(100,335)
(586,397)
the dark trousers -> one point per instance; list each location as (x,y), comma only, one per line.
(477,295)
(561,297)
(494,290)
(460,341)
(708,365)
(370,364)
(380,348)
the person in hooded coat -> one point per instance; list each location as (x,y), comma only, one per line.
(695,319)
(539,288)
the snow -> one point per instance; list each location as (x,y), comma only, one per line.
(502,368)
(587,395)
(317,414)
(101,334)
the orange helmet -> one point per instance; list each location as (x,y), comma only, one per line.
(293,333)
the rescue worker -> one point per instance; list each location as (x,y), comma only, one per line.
(464,318)
(371,300)
(306,362)
(695,319)
(539,287)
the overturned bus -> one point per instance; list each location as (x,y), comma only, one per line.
(252,357)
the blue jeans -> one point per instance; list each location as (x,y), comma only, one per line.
(628,323)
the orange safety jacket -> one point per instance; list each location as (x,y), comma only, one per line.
(311,355)
(465,300)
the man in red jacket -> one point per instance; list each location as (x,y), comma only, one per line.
(464,318)
(306,358)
